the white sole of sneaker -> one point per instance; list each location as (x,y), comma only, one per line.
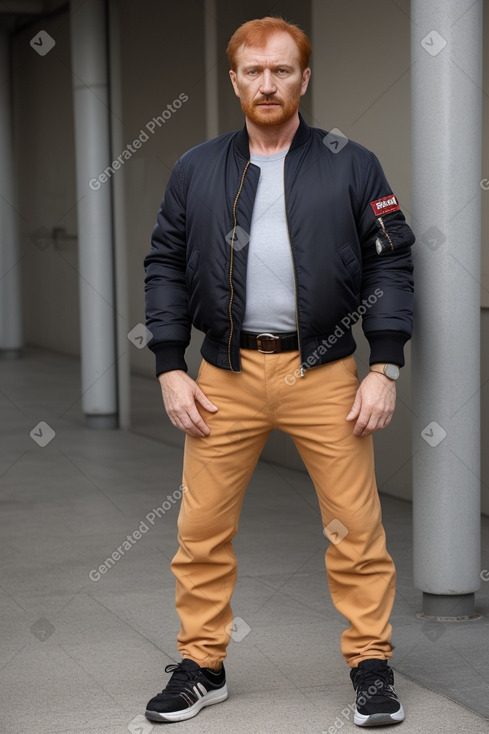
(210,698)
(378,719)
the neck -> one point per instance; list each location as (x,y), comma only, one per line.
(267,140)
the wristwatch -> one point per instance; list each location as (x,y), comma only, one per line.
(391,371)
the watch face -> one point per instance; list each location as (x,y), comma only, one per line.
(392,371)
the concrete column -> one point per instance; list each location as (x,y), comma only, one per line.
(96,266)
(10,296)
(119,221)
(446,195)
(211,70)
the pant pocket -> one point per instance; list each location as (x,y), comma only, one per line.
(349,366)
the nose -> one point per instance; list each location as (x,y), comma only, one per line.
(268,85)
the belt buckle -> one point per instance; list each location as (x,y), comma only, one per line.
(268,338)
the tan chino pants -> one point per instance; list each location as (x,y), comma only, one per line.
(216,471)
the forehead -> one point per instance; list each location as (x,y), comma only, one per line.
(278,47)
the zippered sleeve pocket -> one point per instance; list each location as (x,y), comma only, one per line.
(393,233)
(381,224)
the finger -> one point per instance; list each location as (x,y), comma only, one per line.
(191,422)
(368,430)
(374,424)
(195,433)
(174,421)
(367,423)
(204,401)
(195,423)
(385,422)
(192,430)
(360,425)
(355,409)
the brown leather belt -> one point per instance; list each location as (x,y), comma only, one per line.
(268,343)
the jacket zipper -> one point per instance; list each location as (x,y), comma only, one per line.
(385,232)
(295,280)
(231,288)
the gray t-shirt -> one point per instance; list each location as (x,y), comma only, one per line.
(270,287)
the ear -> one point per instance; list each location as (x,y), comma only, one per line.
(232,75)
(306,75)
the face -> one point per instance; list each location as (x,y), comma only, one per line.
(268,80)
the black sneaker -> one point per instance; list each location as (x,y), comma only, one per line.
(189,689)
(376,703)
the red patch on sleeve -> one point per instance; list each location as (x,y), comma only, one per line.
(385,205)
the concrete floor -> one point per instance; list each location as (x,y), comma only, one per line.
(82,655)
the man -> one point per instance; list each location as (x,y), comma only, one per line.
(274,240)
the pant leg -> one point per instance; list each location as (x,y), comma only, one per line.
(361,573)
(216,471)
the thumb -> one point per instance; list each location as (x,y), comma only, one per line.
(204,401)
(355,410)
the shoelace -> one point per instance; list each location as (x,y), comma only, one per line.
(382,681)
(179,674)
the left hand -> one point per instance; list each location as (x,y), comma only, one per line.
(374,404)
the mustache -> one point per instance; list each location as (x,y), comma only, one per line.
(268,100)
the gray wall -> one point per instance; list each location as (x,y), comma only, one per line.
(44,148)
(154,72)
(360,84)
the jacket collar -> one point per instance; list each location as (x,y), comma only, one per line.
(301,136)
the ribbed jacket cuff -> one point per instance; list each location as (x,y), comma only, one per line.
(169,357)
(387,346)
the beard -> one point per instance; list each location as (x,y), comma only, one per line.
(260,114)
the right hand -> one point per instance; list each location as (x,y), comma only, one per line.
(180,393)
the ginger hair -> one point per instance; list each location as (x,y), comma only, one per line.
(256,32)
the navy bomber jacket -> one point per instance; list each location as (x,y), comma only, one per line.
(350,242)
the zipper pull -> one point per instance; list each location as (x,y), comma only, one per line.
(302,371)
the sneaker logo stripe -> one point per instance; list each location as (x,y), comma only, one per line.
(198,691)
